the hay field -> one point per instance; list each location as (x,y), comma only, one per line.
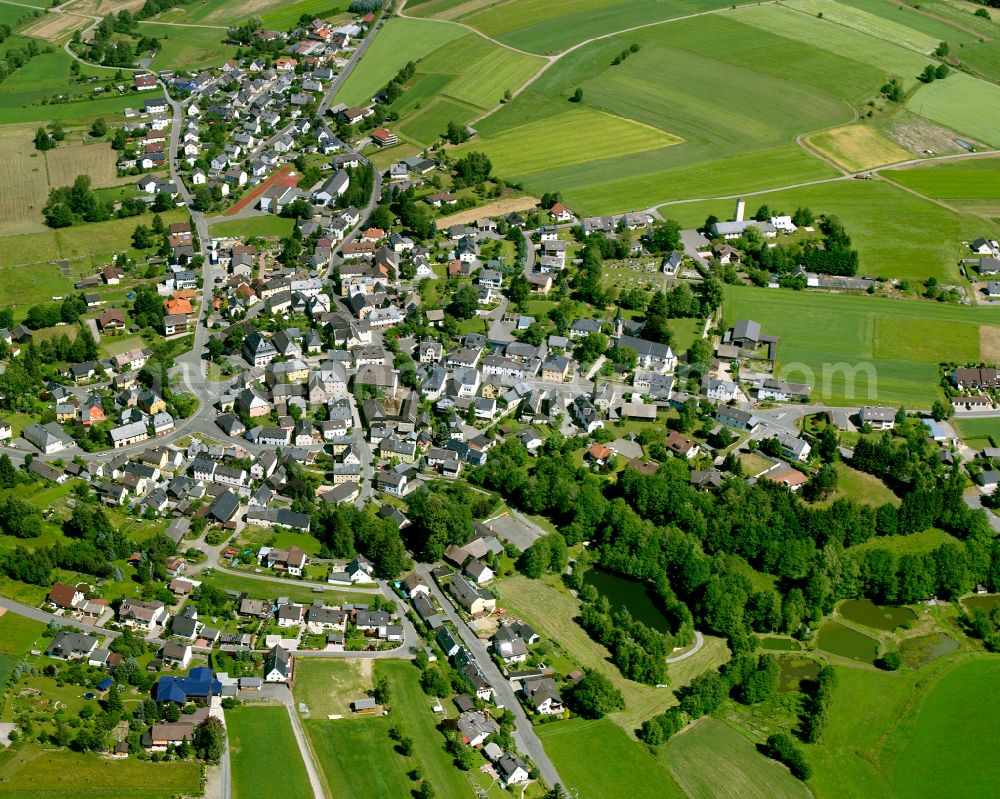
(55,27)
(857,147)
(23,174)
(97,160)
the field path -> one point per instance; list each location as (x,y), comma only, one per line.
(699,642)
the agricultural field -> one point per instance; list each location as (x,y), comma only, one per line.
(857,147)
(262,745)
(970,106)
(566,139)
(97,160)
(541,27)
(710,760)
(896,233)
(924,20)
(23,173)
(917,726)
(892,347)
(192,47)
(274,14)
(54,27)
(28,772)
(608,751)
(398,42)
(967,184)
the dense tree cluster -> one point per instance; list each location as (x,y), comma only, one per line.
(594,696)
(441,516)
(344,531)
(819,694)
(71,205)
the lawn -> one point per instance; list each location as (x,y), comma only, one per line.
(28,772)
(977,428)
(426,125)
(399,41)
(913,544)
(710,760)
(327,686)
(266,225)
(857,147)
(609,751)
(865,489)
(262,746)
(857,348)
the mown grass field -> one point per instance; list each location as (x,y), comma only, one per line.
(977,428)
(274,14)
(608,751)
(428,124)
(552,610)
(266,225)
(858,147)
(565,139)
(328,686)
(710,760)
(896,233)
(878,26)
(938,28)
(262,746)
(399,41)
(28,772)
(892,346)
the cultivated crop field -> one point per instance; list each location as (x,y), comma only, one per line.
(901,341)
(55,27)
(262,746)
(22,173)
(710,759)
(96,160)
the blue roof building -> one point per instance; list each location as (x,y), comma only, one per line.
(200,683)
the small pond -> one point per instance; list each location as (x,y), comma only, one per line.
(631,595)
(780,644)
(837,639)
(880,617)
(917,652)
(792,671)
(982,601)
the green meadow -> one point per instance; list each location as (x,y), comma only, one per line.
(262,745)
(968,180)
(609,751)
(896,233)
(711,759)
(860,349)
(398,42)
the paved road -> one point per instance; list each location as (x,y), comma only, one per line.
(699,642)
(524,733)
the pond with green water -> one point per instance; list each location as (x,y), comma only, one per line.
(917,652)
(792,671)
(837,639)
(780,644)
(632,595)
(982,601)
(880,617)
